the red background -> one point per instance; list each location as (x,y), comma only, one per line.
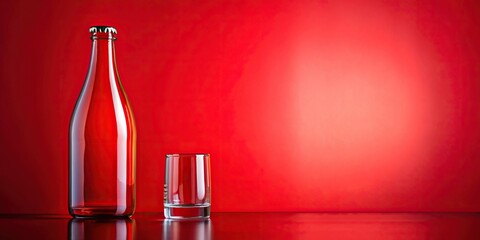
(303,105)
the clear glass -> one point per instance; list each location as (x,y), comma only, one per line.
(187,186)
(101,229)
(102,140)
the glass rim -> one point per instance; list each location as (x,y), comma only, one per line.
(170,155)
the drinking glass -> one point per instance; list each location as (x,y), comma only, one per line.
(187,186)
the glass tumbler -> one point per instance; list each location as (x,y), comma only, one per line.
(187,186)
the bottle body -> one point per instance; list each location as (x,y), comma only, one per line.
(102,140)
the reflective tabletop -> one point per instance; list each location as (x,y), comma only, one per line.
(248,226)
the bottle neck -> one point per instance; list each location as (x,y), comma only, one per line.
(102,60)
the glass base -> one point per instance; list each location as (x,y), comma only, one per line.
(102,212)
(187,212)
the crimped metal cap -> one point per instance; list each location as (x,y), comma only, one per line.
(103,29)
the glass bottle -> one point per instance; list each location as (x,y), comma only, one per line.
(102,138)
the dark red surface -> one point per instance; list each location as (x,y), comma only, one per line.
(250,226)
(303,105)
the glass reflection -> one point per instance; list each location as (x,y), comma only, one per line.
(118,229)
(191,229)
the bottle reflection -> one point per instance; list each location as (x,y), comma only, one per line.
(192,229)
(118,229)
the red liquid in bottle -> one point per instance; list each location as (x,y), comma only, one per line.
(102,138)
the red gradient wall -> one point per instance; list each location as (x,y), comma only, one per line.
(303,105)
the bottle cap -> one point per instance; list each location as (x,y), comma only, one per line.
(103,29)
